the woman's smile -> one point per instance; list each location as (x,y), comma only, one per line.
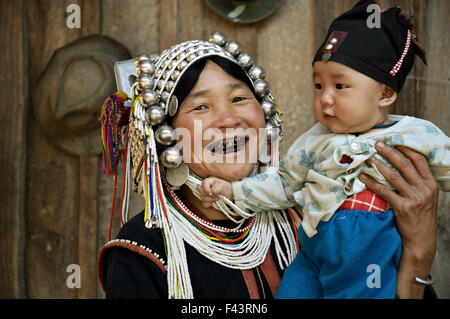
(228,146)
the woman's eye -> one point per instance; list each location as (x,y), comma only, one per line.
(200,108)
(317,86)
(340,86)
(238,99)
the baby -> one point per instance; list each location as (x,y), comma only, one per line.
(350,246)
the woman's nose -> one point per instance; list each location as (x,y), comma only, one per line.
(226,116)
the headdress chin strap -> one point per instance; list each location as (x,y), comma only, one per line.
(135,127)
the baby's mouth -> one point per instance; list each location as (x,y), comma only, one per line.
(227,146)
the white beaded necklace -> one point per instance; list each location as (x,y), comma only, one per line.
(247,254)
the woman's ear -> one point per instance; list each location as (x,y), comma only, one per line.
(388,96)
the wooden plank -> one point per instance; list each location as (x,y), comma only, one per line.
(13,66)
(214,22)
(87,226)
(168,24)
(54,197)
(435,107)
(286,57)
(134,23)
(189,18)
(51,206)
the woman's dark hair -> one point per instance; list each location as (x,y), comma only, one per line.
(190,77)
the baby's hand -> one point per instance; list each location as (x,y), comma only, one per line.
(211,188)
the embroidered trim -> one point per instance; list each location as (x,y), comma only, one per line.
(365,200)
(135,247)
(398,65)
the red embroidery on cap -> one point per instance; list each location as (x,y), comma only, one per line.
(399,63)
(334,41)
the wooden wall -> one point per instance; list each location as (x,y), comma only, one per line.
(55,206)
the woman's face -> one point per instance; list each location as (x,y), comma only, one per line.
(221,119)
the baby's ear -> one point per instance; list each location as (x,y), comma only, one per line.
(388,96)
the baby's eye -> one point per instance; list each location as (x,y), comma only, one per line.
(317,86)
(340,86)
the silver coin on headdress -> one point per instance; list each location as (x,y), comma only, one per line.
(173,105)
(177,176)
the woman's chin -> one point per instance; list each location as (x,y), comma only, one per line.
(227,171)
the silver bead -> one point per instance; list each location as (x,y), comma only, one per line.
(171,157)
(140,58)
(233,47)
(268,108)
(160,85)
(149,97)
(182,65)
(169,85)
(191,50)
(154,115)
(171,65)
(165,135)
(146,67)
(145,82)
(165,96)
(262,88)
(175,74)
(256,72)
(245,60)
(191,57)
(158,73)
(218,38)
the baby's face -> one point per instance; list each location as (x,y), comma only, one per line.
(345,100)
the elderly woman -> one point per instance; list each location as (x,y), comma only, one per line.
(213,99)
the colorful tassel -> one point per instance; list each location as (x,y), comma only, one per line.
(112,116)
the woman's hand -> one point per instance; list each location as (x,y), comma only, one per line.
(415,208)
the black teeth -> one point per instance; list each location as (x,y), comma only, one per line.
(225,147)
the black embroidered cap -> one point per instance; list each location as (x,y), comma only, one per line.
(384,52)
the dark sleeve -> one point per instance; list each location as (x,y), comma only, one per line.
(131,275)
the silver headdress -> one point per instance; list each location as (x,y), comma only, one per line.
(154,101)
